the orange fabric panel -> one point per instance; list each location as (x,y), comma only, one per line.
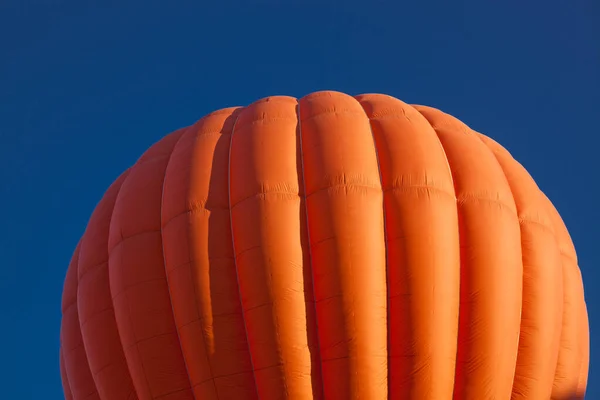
(572,351)
(97,317)
(266,231)
(584,342)
(541,319)
(491,264)
(345,211)
(200,264)
(326,247)
(422,250)
(77,369)
(138,281)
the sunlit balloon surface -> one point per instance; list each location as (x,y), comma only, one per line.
(328,247)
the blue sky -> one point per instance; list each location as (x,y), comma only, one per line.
(85,89)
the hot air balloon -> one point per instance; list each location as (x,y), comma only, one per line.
(331,247)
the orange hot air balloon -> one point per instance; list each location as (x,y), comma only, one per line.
(332,247)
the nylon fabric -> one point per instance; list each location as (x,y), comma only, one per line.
(200,264)
(422,244)
(265,212)
(542,309)
(344,202)
(94,302)
(327,247)
(490,252)
(77,369)
(138,283)
(573,350)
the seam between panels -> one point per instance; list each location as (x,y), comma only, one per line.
(76,304)
(520,222)
(460,240)
(443,151)
(124,292)
(200,319)
(112,298)
(304,197)
(385,241)
(82,344)
(79,278)
(516,209)
(89,395)
(235,261)
(189,130)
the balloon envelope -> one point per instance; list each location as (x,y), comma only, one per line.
(331,247)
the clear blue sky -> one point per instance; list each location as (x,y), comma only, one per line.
(85,89)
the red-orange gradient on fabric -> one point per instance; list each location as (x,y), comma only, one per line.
(331,247)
